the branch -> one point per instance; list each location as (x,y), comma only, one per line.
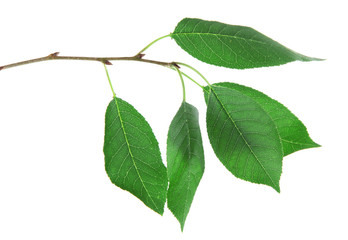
(105,60)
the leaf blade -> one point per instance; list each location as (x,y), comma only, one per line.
(132,156)
(232,46)
(244,137)
(185,161)
(293,133)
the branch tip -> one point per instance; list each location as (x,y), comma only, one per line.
(1,68)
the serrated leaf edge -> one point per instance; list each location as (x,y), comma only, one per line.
(310,145)
(182,220)
(276,186)
(132,157)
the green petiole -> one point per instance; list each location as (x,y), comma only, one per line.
(151,43)
(107,74)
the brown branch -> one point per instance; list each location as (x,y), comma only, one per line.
(105,60)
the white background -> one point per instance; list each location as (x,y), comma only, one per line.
(52,179)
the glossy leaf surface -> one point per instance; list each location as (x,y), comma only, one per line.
(292,131)
(132,156)
(185,160)
(231,46)
(244,137)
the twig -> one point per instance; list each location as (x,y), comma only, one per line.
(105,60)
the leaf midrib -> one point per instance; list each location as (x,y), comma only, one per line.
(188,167)
(258,161)
(298,143)
(131,154)
(220,35)
(188,131)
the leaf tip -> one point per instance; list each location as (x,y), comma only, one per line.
(318,59)
(182,227)
(313,144)
(182,222)
(309,59)
(277,188)
(275,185)
(181,218)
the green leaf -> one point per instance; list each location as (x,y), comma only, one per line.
(292,131)
(185,160)
(244,137)
(231,46)
(132,156)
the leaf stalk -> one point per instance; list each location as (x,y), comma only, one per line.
(107,74)
(151,43)
(182,83)
(195,70)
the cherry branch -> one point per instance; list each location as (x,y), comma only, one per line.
(105,60)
